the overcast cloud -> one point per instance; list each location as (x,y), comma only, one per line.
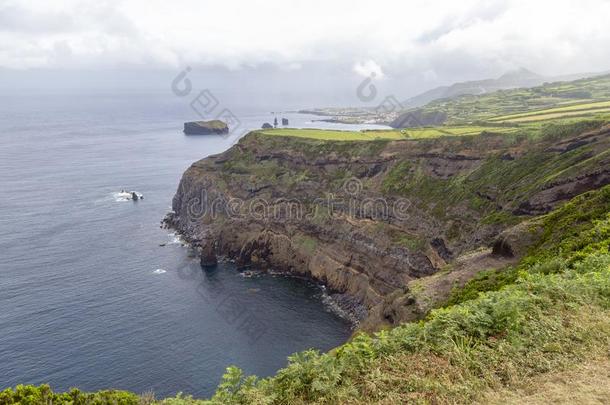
(429,41)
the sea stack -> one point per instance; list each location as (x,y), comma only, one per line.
(214,127)
(208,257)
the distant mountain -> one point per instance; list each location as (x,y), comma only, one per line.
(510,80)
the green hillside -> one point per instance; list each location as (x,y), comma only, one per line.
(581,95)
(553,315)
(507,332)
(519,111)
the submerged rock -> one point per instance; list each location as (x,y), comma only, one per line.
(214,127)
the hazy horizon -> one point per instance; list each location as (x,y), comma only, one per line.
(306,54)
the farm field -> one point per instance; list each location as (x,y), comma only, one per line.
(558,112)
(519,111)
(371,135)
(579,95)
(334,135)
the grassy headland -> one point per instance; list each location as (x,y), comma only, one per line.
(553,315)
(506,331)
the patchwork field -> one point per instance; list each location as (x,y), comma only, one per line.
(526,111)
(371,135)
(584,109)
(334,135)
(516,104)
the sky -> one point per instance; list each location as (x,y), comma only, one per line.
(316,46)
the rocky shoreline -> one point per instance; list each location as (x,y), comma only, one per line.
(381,266)
(341,304)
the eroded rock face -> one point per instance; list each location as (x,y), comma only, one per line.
(501,247)
(368,219)
(516,240)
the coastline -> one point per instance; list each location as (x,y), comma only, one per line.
(341,304)
(385,231)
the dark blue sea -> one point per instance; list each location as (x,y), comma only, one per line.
(93,293)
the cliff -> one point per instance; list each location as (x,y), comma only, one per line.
(389,226)
(538,332)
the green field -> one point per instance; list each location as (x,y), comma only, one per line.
(578,95)
(558,112)
(517,111)
(550,116)
(461,130)
(371,135)
(333,135)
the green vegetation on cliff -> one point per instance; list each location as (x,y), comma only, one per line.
(385,134)
(520,168)
(499,165)
(463,192)
(568,234)
(530,124)
(31,395)
(334,135)
(552,316)
(555,314)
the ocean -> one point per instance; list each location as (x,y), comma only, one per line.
(94,293)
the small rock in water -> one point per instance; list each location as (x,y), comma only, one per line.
(208,256)
(125,195)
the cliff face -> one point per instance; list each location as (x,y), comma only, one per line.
(371,219)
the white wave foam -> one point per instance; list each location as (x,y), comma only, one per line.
(159,271)
(175,239)
(332,306)
(125,196)
(121,196)
(249,273)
